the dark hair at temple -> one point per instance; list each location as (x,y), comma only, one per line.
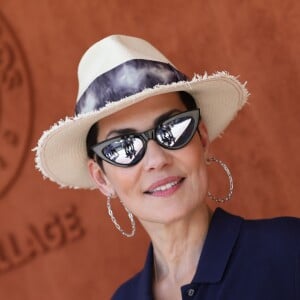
(91,139)
(188,100)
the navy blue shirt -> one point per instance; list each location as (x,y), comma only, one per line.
(241,260)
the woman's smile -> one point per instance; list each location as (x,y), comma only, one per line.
(165,187)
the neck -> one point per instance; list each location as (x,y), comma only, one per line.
(178,246)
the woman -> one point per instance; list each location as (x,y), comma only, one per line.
(141,134)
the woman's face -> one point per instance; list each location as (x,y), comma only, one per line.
(165,185)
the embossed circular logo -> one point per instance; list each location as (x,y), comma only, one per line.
(16,107)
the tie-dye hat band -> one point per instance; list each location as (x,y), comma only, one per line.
(125,80)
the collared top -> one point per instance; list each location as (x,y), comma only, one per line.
(240,260)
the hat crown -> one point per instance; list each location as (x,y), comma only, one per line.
(111,52)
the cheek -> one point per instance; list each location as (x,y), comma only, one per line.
(123,180)
(193,159)
(193,154)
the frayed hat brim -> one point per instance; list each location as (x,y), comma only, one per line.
(62,148)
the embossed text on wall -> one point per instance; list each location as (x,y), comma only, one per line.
(17,249)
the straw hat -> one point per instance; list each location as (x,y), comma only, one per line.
(117,72)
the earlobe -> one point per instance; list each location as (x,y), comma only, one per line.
(100,179)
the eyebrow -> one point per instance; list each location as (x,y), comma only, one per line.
(157,121)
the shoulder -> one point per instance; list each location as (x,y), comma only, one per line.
(280,227)
(261,239)
(276,237)
(140,285)
(128,289)
(287,228)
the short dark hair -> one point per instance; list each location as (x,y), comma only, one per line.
(91,139)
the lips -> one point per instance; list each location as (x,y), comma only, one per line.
(165,187)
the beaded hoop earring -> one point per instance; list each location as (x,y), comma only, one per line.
(117,225)
(229,195)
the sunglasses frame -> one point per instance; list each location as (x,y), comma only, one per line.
(147,135)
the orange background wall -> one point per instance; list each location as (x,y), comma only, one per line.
(60,244)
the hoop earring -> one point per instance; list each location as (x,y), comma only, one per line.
(229,195)
(113,219)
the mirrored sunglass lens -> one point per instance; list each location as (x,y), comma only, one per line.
(124,151)
(175,133)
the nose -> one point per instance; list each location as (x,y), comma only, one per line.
(155,157)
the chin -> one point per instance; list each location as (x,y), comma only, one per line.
(167,217)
